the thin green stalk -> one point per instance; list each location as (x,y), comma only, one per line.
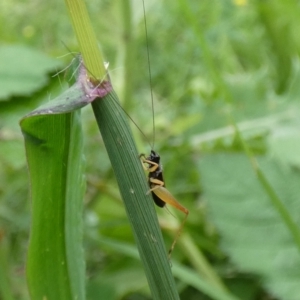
(86,37)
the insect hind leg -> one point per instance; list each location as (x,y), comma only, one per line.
(162,193)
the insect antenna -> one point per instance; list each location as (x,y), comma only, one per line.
(150,77)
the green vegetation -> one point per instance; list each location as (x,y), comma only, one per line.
(216,66)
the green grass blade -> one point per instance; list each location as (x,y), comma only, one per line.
(133,187)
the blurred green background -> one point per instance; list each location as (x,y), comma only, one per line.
(211,62)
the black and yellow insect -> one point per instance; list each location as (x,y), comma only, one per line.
(161,196)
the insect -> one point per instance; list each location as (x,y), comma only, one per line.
(161,196)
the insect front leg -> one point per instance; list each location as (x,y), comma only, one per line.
(154,166)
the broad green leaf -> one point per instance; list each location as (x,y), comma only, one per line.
(285,144)
(252,232)
(23,70)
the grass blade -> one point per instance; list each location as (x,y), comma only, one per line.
(133,187)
